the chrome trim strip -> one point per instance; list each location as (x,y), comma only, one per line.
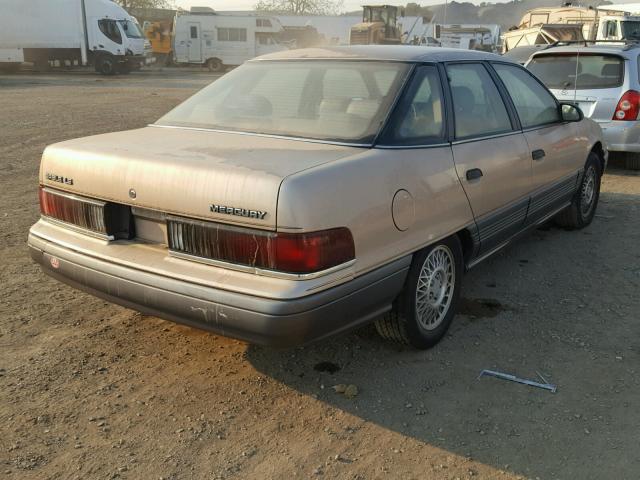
(76,228)
(486,137)
(266,135)
(545,125)
(260,271)
(411,147)
(553,213)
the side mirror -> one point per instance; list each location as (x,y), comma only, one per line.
(571,112)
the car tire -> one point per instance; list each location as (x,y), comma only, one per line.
(106,65)
(425,308)
(585,201)
(214,65)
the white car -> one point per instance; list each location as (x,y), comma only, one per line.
(602,80)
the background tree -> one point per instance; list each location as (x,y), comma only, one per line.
(146,3)
(299,7)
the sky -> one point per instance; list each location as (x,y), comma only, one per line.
(348,5)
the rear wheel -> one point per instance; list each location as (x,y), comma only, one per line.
(585,201)
(214,65)
(425,308)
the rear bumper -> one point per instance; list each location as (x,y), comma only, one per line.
(246,317)
(621,136)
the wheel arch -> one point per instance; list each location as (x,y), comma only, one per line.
(598,149)
(469,243)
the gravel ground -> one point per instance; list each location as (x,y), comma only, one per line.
(92,390)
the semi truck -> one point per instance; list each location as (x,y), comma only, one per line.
(71,32)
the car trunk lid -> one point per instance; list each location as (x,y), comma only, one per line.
(228,177)
(599,105)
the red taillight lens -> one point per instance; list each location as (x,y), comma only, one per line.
(284,252)
(315,251)
(628,106)
(107,219)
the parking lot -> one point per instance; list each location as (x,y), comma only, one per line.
(92,390)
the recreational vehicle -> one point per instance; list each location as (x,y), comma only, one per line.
(218,40)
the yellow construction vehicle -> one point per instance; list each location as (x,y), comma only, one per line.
(378,27)
(159,34)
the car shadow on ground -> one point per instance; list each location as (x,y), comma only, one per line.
(558,303)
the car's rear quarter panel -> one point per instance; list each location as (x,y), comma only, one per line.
(357,192)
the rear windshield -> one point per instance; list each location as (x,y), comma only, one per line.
(345,101)
(579,71)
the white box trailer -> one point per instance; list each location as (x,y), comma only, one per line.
(218,40)
(76,32)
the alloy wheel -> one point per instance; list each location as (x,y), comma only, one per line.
(436,284)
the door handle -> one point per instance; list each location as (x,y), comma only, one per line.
(538,154)
(474,174)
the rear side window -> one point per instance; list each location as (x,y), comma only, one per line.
(418,119)
(534,104)
(582,71)
(477,104)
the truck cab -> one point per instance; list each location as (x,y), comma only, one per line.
(70,33)
(617,27)
(115,40)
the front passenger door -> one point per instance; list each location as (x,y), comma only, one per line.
(490,153)
(555,147)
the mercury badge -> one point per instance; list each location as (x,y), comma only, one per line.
(238,212)
(59,178)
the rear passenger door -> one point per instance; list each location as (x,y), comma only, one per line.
(490,153)
(555,149)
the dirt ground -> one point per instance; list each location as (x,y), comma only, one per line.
(91,390)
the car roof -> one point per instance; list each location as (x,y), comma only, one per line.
(398,53)
(627,50)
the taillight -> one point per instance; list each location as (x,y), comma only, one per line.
(628,106)
(109,220)
(297,253)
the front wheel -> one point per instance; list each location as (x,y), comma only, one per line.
(106,65)
(585,201)
(425,308)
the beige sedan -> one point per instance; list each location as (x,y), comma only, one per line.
(310,191)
